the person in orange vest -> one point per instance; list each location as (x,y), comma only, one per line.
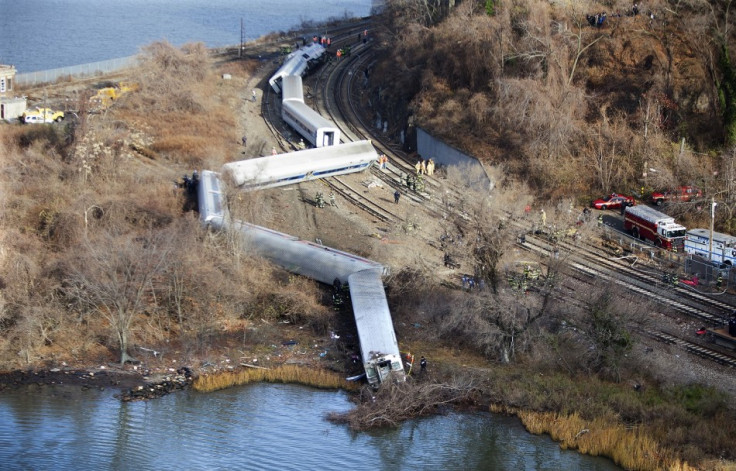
(339,53)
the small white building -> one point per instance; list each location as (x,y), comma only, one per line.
(11,106)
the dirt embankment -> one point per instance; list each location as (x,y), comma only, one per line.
(132,384)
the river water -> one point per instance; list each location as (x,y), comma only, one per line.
(261,426)
(47,34)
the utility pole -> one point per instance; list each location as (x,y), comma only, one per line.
(242,39)
(712,217)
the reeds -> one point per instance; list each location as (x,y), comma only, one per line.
(315,377)
(629,447)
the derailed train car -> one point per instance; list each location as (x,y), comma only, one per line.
(298,63)
(379,348)
(295,167)
(318,131)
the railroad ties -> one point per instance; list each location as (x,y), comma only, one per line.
(693,348)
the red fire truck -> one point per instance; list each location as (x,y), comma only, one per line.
(648,223)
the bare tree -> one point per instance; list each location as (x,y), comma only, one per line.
(113,277)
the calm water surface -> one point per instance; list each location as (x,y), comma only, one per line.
(46,34)
(261,426)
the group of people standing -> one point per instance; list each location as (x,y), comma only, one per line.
(424,167)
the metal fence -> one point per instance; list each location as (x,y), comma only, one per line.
(708,273)
(76,71)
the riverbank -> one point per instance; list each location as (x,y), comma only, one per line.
(132,385)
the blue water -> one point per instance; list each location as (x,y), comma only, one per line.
(47,34)
(262,426)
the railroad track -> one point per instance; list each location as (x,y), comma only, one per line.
(585,259)
(695,349)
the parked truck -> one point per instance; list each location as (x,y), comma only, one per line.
(647,223)
(681,194)
(722,249)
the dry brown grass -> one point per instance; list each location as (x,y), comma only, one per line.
(629,447)
(315,377)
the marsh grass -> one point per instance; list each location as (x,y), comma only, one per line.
(315,377)
(628,446)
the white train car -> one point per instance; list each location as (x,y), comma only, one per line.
(211,200)
(298,63)
(723,249)
(295,167)
(378,346)
(318,131)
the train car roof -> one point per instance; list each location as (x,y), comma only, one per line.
(372,315)
(212,210)
(292,88)
(305,258)
(263,170)
(296,62)
(307,115)
(706,234)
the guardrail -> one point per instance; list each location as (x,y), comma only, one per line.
(76,71)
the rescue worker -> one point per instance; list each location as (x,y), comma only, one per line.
(719,281)
(254,96)
(600,220)
(423,168)
(397,195)
(320,200)
(332,199)
(418,166)
(430,167)
(544,218)
(422,364)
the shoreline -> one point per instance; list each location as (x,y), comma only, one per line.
(131,385)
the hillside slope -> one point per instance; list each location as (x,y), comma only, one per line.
(563,104)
